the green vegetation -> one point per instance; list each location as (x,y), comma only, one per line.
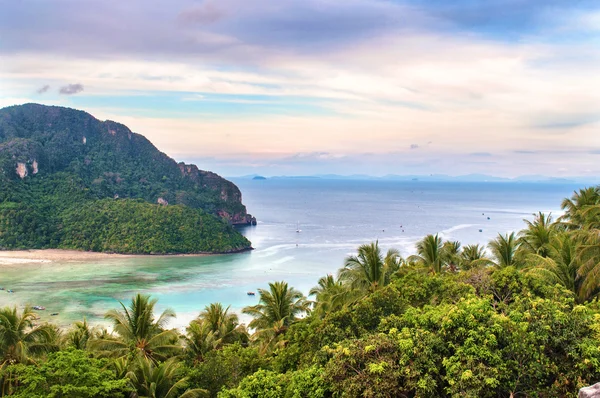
(519,319)
(92,185)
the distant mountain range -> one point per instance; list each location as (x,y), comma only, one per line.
(441,178)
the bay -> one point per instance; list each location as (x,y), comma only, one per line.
(334,218)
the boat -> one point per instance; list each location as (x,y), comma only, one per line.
(251,294)
(298,230)
(481,230)
(54,314)
(10,291)
(39,307)
(1,288)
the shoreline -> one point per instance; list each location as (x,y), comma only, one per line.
(47,256)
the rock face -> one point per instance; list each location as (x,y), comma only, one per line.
(590,392)
(21,170)
(109,159)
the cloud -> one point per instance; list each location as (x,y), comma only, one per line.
(336,77)
(205,14)
(71,89)
(43,89)
(525,152)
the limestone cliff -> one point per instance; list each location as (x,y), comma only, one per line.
(110,160)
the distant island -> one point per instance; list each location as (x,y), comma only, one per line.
(259,178)
(70,181)
(475,178)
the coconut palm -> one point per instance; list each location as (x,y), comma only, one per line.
(138,333)
(451,255)
(535,238)
(588,255)
(278,308)
(369,270)
(430,254)
(214,327)
(577,213)
(20,339)
(473,256)
(151,380)
(504,250)
(220,320)
(330,295)
(79,336)
(561,266)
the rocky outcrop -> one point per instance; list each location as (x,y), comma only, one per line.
(162,202)
(238,219)
(590,392)
(228,192)
(21,170)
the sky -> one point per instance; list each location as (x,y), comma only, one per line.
(287,87)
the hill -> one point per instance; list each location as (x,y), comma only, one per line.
(55,161)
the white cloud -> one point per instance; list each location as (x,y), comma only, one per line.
(381,94)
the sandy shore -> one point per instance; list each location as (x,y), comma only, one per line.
(13,257)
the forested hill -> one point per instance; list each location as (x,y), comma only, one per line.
(55,160)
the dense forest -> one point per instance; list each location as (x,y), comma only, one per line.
(518,318)
(60,168)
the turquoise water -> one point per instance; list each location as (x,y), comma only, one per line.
(334,217)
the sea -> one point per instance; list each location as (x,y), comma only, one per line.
(306,228)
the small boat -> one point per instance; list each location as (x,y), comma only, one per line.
(10,291)
(39,307)
(54,314)
(1,288)
(251,294)
(298,230)
(481,230)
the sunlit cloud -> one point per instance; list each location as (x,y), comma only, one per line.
(396,85)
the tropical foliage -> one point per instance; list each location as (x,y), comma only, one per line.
(519,318)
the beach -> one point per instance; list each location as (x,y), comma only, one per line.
(17,257)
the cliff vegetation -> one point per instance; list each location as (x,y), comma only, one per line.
(64,173)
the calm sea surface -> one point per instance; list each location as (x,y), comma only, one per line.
(334,218)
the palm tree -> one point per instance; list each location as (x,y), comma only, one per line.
(278,308)
(220,320)
(214,327)
(430,254)
(80,335)
(536,237)
(330,295)
(369,270)
(473,256)
(577,208)
(138,332)
(20,338)
(161,381)
(504,249)
(451,255)
(561,266)
(588,255)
